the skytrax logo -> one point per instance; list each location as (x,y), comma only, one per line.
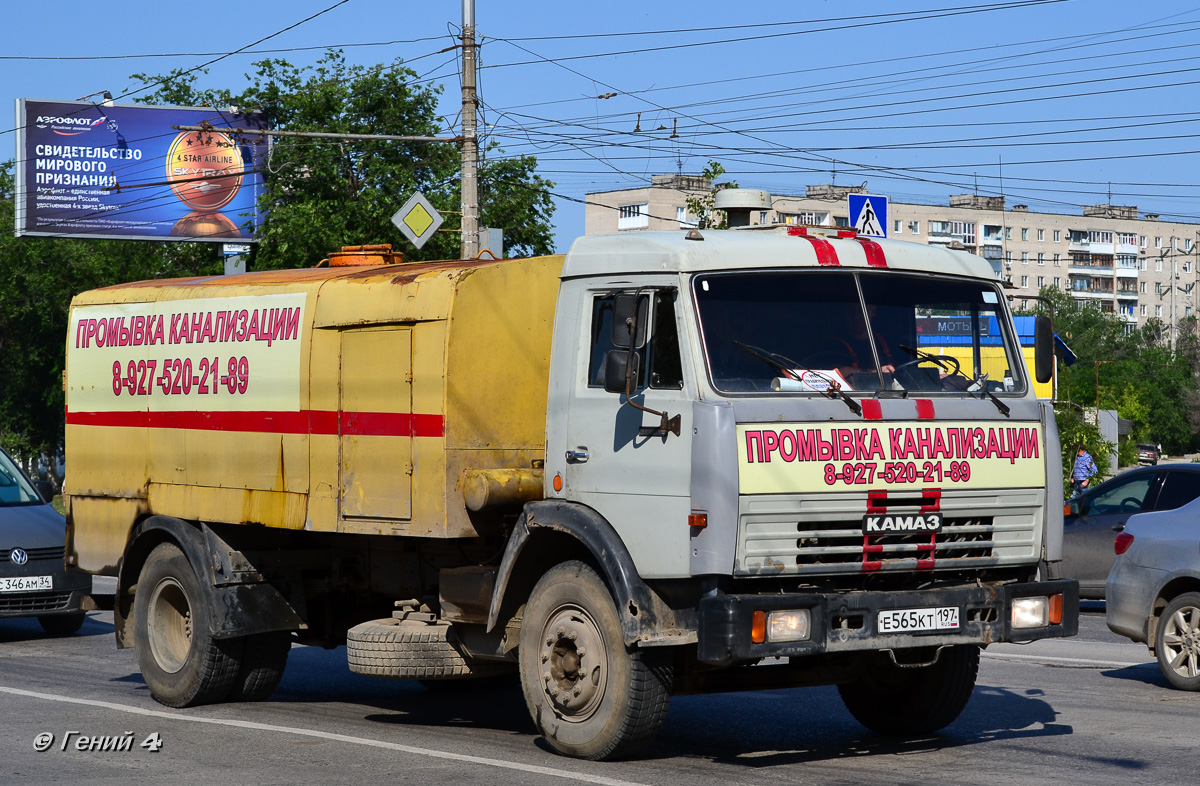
(68,126)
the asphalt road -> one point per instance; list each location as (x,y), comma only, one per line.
(1093,709)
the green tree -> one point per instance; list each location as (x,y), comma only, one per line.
(1134,373)
(703,206)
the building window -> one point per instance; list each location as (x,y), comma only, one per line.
(1057,236)
(633,216)
(1041,281)
(1143,263)
(1187,311)
(1008,233)
(914,227)
(1142,241)
(1187,267)
(762,217)
(1143,311)
(1008,258)
(899,226)
(1024,281)
(1041,235)
(1057,282)
(1158,242)
(841,221)
(1024,234)
(1056,260)
(682,217)
(1024,257)
(1187,244)
(1041,258)
(1142,287)
(1158,266)
(1024,305)
(1158,311)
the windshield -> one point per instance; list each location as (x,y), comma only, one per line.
(14,488)
(799,331)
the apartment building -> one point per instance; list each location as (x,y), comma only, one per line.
(1127,263)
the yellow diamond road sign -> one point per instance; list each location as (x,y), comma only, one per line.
(418,219)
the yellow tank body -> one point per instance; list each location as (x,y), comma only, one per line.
(336,399)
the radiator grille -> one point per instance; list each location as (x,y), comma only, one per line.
(19,602)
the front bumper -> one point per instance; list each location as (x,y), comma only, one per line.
(846,622)
(69,596)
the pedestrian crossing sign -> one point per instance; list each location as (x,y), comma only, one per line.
(869,214)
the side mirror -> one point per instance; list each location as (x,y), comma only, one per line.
(1043,349)
(630,310)
(616,364)
(45,488)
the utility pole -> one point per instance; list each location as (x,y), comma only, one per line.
(470,141)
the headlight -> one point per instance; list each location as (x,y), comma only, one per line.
(788,625)
(1030,612)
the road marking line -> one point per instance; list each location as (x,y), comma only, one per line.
(1053,661)
(436,754)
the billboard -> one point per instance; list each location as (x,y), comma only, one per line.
(120,171)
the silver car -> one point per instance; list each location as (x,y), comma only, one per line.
(1153,590)
(33,579)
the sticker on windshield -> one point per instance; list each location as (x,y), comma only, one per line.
(806,380)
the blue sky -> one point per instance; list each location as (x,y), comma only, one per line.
(1068,100)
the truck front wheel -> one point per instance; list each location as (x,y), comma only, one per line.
(590,696)
(903,701)
(182,663)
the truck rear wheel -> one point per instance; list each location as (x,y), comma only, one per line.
(182,663)
(264,657)
(588,694)
(900,701)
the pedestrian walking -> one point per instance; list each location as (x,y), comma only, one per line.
(1084,470)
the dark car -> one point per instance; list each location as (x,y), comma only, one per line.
(1147,453)
(1094,518)
(33,536)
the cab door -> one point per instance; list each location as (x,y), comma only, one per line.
(618,459)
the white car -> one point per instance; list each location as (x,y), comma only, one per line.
(1153,591)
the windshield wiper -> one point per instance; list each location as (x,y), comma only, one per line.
(789,368)
(981,383)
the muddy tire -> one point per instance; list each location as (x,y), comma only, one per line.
(182,663)
(62,624)
(902,702)
(264,658)
(589,695)
(412,650)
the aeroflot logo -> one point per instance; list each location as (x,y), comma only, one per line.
(68,126)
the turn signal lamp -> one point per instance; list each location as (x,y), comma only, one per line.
(1122,543)
(758,627)
(698,520)
(1056,604)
